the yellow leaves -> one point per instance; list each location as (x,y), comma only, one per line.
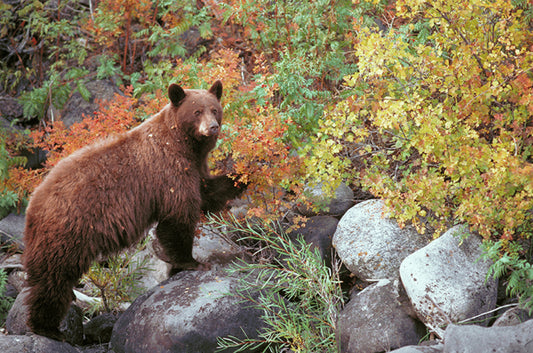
(443,127)
(409,8)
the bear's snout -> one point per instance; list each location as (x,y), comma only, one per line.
(214,127)
(209,128)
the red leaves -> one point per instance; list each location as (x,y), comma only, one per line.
(113,118)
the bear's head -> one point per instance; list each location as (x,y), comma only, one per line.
(198,112)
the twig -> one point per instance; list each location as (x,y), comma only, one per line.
(487,312)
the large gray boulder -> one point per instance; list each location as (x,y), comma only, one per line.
(478,339)
(377,319)
(475,339)
(71,326)
(372,245)
(446,280)
(185,314)
(34,344)
(213,246)
(437,348)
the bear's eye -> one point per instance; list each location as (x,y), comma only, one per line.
(197,112)
(215,111)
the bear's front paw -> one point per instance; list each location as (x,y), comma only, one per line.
(239,185)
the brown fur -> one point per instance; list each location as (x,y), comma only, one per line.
(102,198)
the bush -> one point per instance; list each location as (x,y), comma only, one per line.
(116,280)
(299,295)
(514,265)
(439,121)
(5,302)
(8,197)
(305,48)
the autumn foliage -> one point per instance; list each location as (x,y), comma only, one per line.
(426,104)
(439,118)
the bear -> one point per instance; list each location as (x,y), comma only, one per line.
(102,198)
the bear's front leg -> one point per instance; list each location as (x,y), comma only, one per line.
(218,190)
(176,239)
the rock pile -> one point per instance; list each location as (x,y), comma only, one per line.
(414,286)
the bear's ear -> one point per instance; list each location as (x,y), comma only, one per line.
(176,94)
(216,89)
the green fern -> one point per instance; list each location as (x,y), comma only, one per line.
(5,302)
(520,270)
(8,198)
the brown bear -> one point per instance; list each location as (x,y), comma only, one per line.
(102,198)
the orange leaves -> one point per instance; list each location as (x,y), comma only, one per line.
(263,159)
(224,65)
(113,118)
(24,181)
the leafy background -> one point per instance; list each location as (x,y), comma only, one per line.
(426,104)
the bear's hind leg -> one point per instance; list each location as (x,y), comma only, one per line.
(176,239)
(48,305)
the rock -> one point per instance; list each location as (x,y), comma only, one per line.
(12,230)
(371,245)
(334,206)
(35,157)
(99,329)
(445,280)
(212,247)
(157,269)
(512,317)
(186,313)
(475,339)
(97,348)
(71,326)
(77,108)
(437,348)
(10,108)
(319,231)
(376,320)
(13,262)
(239,208)
(6,125)
(191,40)
(18,280)
(10,291)
(34,344)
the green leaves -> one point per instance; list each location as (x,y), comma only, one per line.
(299,295)
(306,42)
(8,197)
(520,280)
(438,115)
(55,92)
(117,280)
(5,302)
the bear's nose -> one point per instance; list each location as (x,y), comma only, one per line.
(213,127)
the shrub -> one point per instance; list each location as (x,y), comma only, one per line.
(8,196)
(116,280)
(439,121)
(299,295)
(5,302)
(514,264)
(306,53)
